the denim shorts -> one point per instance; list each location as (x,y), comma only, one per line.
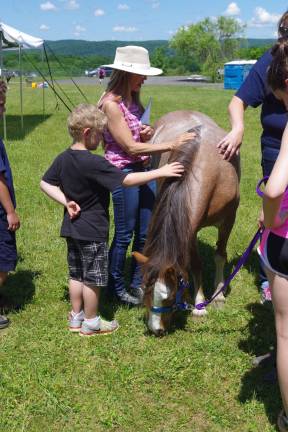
(8,250)
(273,251)
(88,261)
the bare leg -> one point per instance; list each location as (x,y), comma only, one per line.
(91,301)
(279,289)
(76,295)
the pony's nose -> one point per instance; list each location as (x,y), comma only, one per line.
(160,332)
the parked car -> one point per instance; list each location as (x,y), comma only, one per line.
(198,78)
(91,73)
(94,72)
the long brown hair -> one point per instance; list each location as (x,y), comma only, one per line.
(278,69)
(118,85)
(171,220)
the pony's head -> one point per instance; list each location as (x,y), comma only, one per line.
(160,294)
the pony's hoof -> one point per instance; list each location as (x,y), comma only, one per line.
(218,304)
(198,313)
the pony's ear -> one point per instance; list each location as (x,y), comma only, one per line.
(140,258)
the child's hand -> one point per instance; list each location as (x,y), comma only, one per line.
(174,169)
(73,209)
(13,221)
(183,139)
(146,133)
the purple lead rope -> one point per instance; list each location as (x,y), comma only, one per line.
(243,258)
(240,263)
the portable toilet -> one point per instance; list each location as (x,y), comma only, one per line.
(235,73)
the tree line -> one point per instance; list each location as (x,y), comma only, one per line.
(202,47)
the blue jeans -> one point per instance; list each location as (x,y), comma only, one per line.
(132,213)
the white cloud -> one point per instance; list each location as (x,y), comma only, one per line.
(263,18)
(72,5)
(155,5)
(123,7)
(79,30)
(48,6)
(44,27)
(120,29)
(232,9)
(99,12)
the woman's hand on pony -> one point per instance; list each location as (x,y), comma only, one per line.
(146,133)
(183,139)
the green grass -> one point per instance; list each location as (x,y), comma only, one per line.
(198,378)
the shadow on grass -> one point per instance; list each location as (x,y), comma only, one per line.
(207,253)
(31,121)
(18,290)
(257,382)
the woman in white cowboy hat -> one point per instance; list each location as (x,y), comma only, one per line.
(126,147)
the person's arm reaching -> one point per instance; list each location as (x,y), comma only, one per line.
(276,186)
(122,134)
(174,169)
(5,200)
(231,143)
(57,195)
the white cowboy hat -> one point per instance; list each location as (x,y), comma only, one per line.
(134,59)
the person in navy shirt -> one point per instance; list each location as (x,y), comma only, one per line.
(9,220)
(255,92)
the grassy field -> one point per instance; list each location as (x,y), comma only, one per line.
(198,378)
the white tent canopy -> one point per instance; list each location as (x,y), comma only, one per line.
(13,37)
(9,38)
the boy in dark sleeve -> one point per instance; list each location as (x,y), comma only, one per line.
(82,182)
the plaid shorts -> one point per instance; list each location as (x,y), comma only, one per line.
(88,261)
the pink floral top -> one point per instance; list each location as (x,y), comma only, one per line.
(113,151)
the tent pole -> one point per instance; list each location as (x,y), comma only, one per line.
(1,66)
(21,87)
(43,89)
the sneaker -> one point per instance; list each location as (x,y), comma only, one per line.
(138,293)
(75,322)
(105,327)
(282,422)
(4,322)
(128,299)
(265,293)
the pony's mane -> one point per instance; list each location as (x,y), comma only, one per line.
(170,229)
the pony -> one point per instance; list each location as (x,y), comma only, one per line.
(206,195)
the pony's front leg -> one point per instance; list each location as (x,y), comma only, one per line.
(196,267)
(220,262)
(220,258)
(199,298)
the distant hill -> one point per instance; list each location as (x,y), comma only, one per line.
(103,48)
(256,42)
(84,48)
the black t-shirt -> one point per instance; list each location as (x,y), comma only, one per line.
(87,179)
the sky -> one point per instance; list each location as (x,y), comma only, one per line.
(134,20)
